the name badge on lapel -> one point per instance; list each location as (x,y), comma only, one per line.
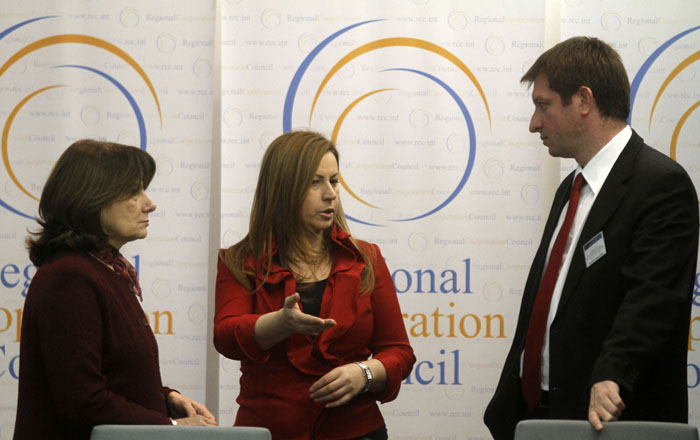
(594,249)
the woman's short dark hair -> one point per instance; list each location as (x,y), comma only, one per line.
(87,177)
(590,62)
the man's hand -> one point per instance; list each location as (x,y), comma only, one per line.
(606,404)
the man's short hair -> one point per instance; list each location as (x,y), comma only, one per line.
(590,62)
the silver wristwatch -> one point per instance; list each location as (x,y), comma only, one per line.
(368,376)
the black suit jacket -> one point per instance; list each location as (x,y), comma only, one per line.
(626,317)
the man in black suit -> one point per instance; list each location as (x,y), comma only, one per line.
(603,326)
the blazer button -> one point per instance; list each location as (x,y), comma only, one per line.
(145,322)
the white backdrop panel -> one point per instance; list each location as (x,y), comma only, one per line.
(424,101)
(132,72)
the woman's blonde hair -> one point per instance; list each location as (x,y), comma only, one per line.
(286,173)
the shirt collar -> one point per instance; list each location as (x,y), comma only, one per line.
(597,169)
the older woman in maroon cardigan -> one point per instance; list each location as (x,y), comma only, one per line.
(88,354)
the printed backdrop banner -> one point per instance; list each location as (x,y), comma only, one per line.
(130,73)
(423,100)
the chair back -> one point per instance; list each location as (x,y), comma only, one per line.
(582,430)
(160,432)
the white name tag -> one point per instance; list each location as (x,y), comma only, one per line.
(594,250)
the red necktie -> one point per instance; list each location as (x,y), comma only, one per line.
(532,359)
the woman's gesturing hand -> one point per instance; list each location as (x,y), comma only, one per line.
(296,321)
(274,327)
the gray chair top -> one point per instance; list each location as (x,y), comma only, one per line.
(582,430)
(158,432)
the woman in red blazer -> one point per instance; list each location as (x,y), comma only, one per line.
(310,312)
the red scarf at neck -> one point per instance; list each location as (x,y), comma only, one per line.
(113,258)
